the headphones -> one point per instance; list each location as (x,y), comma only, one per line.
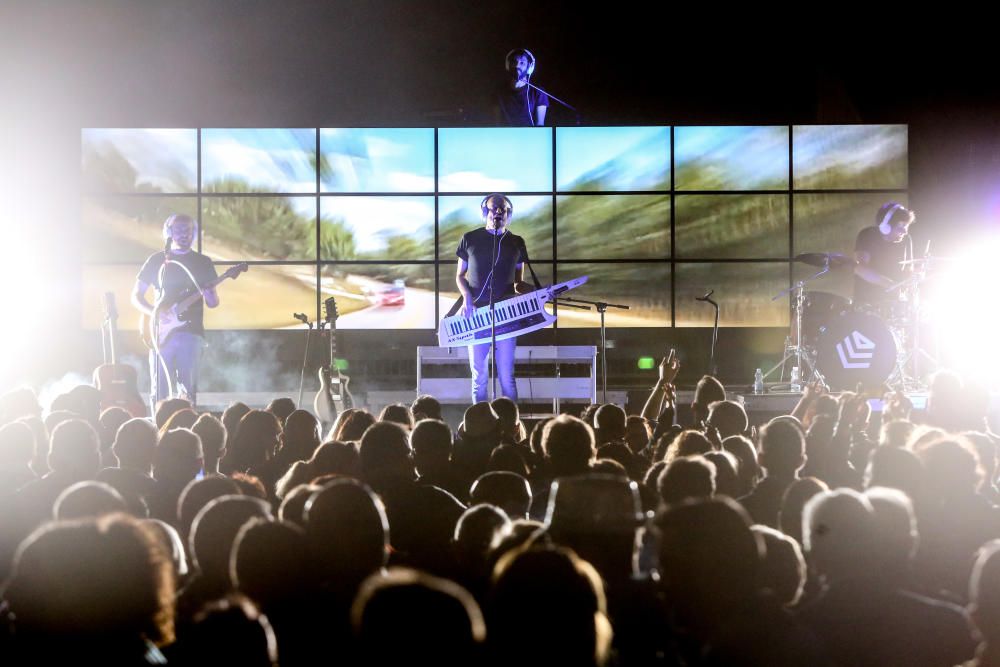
(486,200)
(513,53)
(885,227)
(174,218)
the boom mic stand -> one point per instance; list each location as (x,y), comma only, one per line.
(712,370)
(553,97)
(601,307)
(302,317)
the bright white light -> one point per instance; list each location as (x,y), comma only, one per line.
(24,300)
(960,305)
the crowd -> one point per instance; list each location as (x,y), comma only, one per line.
(826,537)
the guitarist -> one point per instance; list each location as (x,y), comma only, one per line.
(174,271)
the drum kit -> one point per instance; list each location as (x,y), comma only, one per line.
(840,344)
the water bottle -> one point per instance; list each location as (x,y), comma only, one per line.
(758,382)
(795,385)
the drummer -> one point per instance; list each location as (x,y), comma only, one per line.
(879,250)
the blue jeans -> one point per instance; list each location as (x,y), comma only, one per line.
(180,353)
(478,362)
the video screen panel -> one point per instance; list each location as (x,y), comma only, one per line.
(844,157)
(377,228)
(612,159)
(139,160)
(258,160)
(377,160)
(731,158)
(532,221)
(830,222)
(731,226)
(748,294)
(128,229)
(495,159)
(643,287)
(613,226)
(264,297)
(381,296)
(259,228)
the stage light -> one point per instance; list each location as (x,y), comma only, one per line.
(646,363)
(23,303)
(959,312)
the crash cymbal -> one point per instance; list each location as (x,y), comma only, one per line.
(823,259)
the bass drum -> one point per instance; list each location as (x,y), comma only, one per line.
(818,310)
(855,347)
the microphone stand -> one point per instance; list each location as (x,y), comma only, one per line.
(493,319)
(301,317)
(712,370)
(601,307)
(553,97)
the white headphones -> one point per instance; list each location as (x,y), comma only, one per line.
(885,227)
(174,218)
(517,52)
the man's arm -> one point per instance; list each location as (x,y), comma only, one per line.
(540,115)
(864,271)
(139,297)
(462,281)
(211,298)
(521,287)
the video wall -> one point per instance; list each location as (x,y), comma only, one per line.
(655,216)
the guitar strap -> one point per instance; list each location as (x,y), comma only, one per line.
(524,251)
(534,278)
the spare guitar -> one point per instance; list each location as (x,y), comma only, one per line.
(333,396)
(170,312)
(118,383)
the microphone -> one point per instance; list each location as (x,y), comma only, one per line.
(706,297)
(301,317)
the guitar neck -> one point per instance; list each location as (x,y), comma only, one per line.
(334,371)
(186,302)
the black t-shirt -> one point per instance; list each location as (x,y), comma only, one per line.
(884,258)
(476,248)
(177,283)
(518,106)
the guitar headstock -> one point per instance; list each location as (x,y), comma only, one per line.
(235,270)
(330,311)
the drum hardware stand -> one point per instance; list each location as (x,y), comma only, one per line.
(907,333)
(803,359)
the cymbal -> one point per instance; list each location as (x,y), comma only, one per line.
(823,259)
(921,260)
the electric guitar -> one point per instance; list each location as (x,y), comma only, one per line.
(333,396)
(118,383)
(170,311)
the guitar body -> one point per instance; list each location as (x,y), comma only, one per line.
(118,383)
(333,391)
(119,386)
(168,312)
(333,396)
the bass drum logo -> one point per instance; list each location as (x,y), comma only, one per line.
(856,350)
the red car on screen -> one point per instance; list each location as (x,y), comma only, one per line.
(391,295)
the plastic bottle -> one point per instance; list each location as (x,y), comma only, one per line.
(758,382)
(795,384)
